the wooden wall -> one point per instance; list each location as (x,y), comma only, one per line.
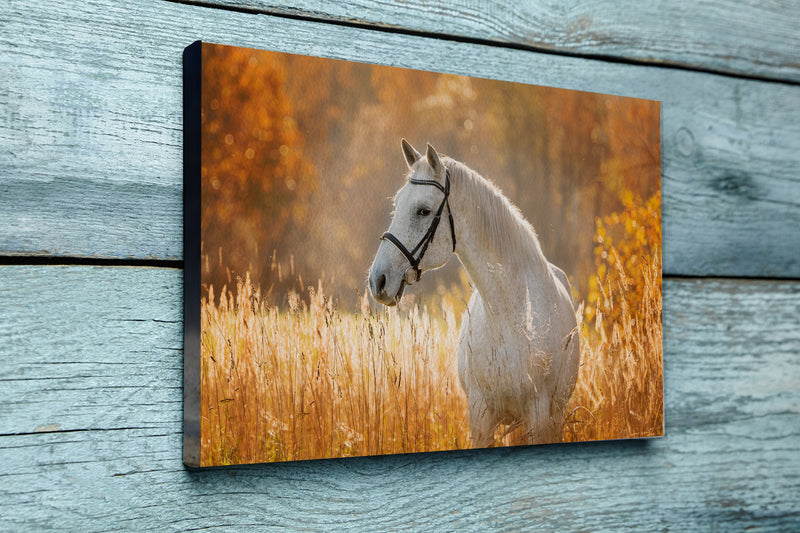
(91,254)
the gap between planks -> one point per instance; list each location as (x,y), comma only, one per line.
(307,17)
(50,260)
(61,261)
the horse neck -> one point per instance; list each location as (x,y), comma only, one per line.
(497,247)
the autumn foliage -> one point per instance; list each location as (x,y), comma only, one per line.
(256,179)
(627,244)
(619,393)
(301,156)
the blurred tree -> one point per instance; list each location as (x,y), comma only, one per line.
(631,135)
(255,178)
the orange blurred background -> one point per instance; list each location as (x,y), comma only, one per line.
(301,156)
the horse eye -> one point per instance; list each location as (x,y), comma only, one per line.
(423,212)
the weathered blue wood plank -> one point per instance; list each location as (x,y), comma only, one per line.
(90,432)
(748,38)
(90,144)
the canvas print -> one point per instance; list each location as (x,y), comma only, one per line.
(382,260)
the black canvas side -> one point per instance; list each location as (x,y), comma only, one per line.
(192,65)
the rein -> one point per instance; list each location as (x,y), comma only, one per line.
(422,245)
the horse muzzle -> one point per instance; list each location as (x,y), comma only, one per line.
(382,290)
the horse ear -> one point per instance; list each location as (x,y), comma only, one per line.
(411,154)
(434,161)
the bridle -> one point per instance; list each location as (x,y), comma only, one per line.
(422,245)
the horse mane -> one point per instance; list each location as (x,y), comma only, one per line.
(501,222)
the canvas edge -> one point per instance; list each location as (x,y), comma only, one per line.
(192,66)
(192,282)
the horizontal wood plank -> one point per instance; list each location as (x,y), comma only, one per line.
(90,433)
(91,130)
(749,38)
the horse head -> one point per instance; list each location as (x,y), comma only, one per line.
(416,240)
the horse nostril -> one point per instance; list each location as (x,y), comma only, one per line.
(381,283)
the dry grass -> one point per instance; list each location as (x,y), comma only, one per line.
(311,382)
(619,393)
(304,380)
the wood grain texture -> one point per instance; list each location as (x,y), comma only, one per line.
(748,38)
(90,141)
(90,433)
(91,358)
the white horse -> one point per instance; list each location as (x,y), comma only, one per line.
(518,348)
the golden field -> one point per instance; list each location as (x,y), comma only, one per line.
(304,380)
(310,382)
